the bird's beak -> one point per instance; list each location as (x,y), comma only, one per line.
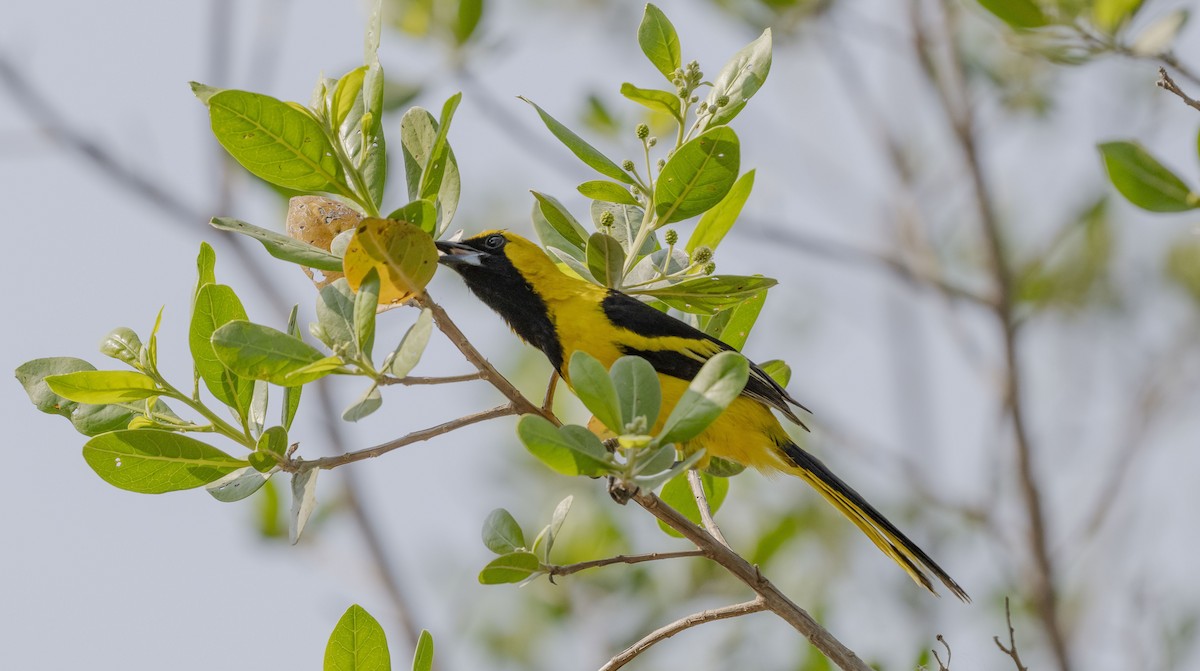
(456,253)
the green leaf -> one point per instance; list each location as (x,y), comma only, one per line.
(356,110)
(412,345)
(239,484)
(777,370)
(435,167)
(281,246)
(466,19)
(659,101)
(1182,265)
(659,41)
(626,222)
(369,402)
(206,265)
(698,175)
(1111,15)
(501,533)
(582,150)
(510,568)
(273,441)
(609,192)
(1021,14)
(723,468)
(716,222)
(717,384)
(276,142)
(346,95)
(262,353)
(638,390)
(564,227)
(732,326)
(740,79)
(1144,181)
(304,501)
(423,655)
(122,344)
(335,316)
(203,92)
(567,450)
(99,387)
(366,301)
(291,395)
(215,306)
(605,259)
(430,168)
(357,644)
(150,461)
(677,493)
(708,293)
(556,522)
(595,389)
(256,414)
(90,420)
(420,213)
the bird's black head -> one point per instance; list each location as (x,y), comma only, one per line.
(498,268)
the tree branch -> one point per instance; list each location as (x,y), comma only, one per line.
(953,95)
(621,559)
(413,381)
(773,599)
(518,403)
(1011,650)
(1165,82)
(625,656)
(327,463)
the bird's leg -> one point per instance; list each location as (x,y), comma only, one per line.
(548,403)
(620,491)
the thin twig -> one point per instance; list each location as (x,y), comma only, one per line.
(954,98)
(1011,650)
(942,666)
(706,515)
(774,600)
(412,381)
(695,619)
(1165,82)
(621,559)
(327,463)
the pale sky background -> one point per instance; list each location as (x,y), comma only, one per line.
(94,577)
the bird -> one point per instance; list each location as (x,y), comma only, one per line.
(561,314)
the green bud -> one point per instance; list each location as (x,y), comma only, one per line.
(695,99)
(643,131)
(661,163)
(710,268)
(651,142)
(722,101)
(606,218)
(702,254)
(671,236)
(678,82)
(627,165)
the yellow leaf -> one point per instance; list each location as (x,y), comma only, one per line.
(403,255)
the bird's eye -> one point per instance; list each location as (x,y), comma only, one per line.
(494,241)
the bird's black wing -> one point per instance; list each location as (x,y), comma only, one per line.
(631,314)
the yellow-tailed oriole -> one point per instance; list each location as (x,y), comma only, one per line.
(561,315)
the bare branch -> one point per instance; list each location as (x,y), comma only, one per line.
(621,559)
(942,666)
(706,515)
(1165,82)
(1011,650)
(953,94)
(663,633)
(414,437)
(412,381)
(774,600)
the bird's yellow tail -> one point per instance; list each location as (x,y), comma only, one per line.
(882,533)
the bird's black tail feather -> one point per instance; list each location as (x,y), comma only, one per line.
(883,533)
